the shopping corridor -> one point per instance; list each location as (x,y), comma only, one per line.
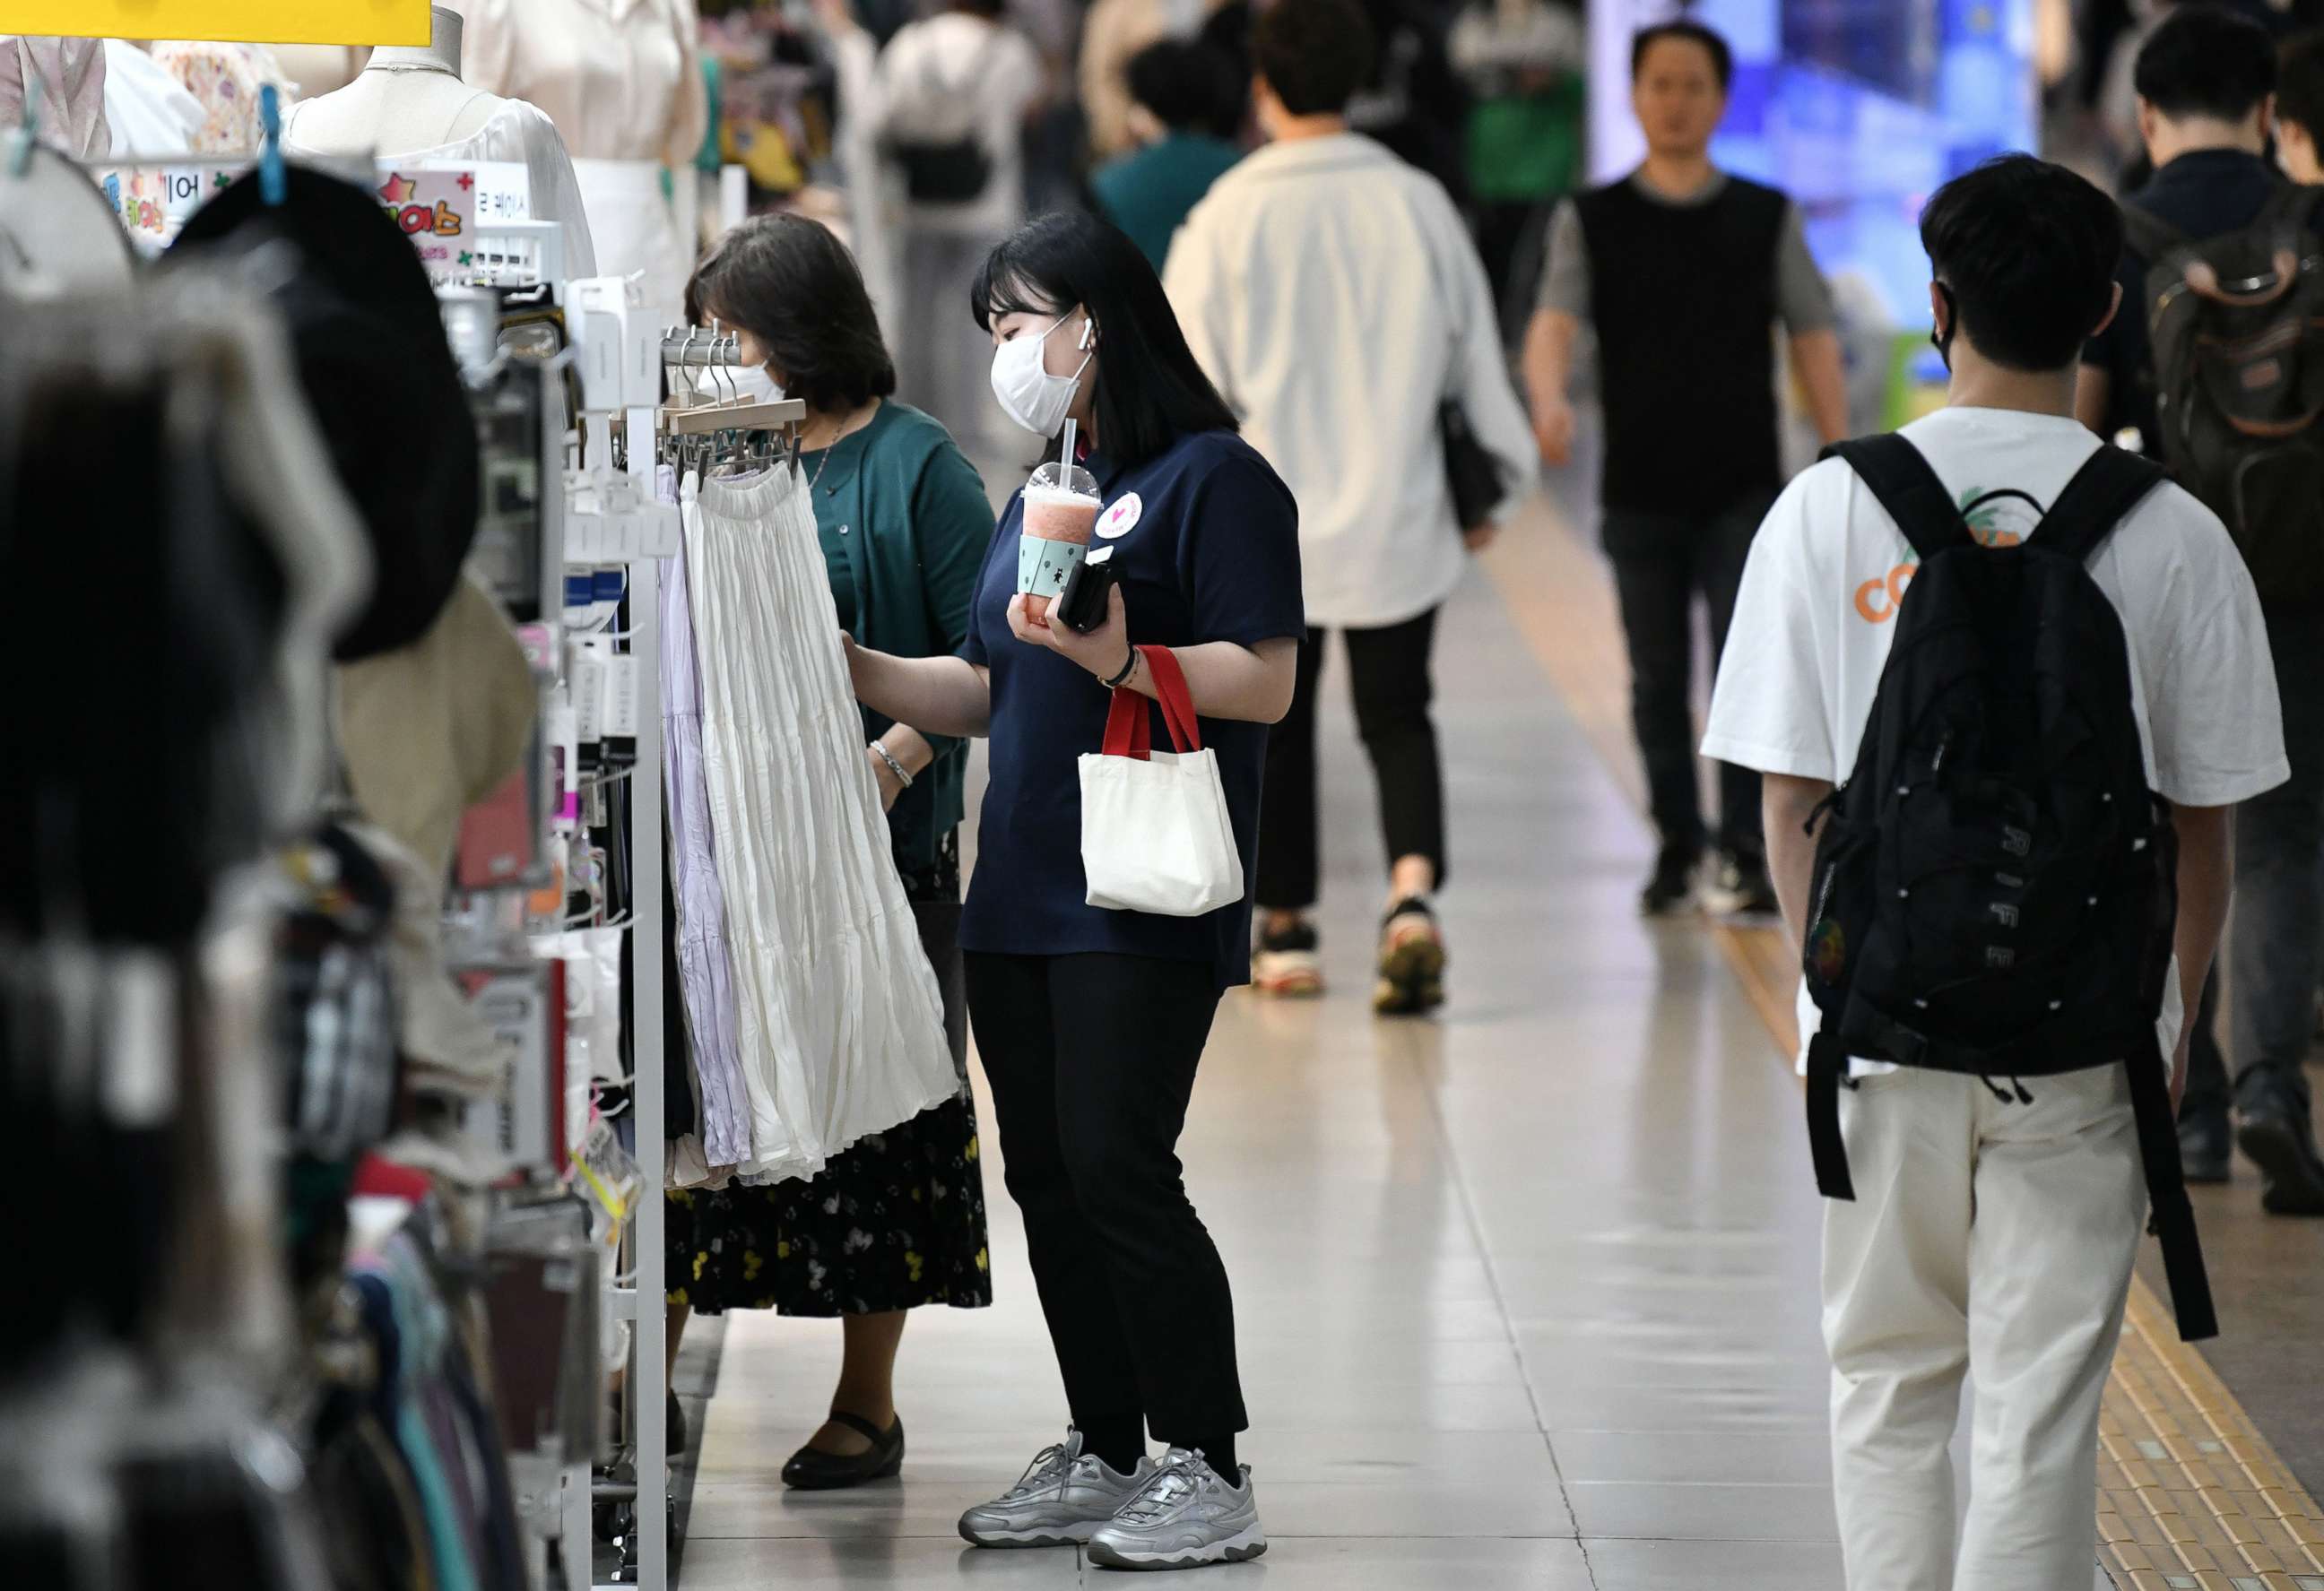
(1527,1296)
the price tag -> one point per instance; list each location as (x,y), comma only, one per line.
(628,534)
(665,532)
(622,694)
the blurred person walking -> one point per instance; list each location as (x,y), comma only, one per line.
(2204,79)
(1187,103)
(1111,37)
(945,104)
(1523,60)
(1331,292)
(2300,109)
(1682,270)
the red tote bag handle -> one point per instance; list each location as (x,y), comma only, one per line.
(1128,725)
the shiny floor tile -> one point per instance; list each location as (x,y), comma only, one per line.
(1525,1294)
(1699,1512)
(851,1564)
(1725,1565)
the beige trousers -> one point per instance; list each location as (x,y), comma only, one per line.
(1991,1242)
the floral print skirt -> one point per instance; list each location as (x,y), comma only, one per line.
(894,1222)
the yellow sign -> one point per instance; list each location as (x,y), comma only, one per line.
(245,21)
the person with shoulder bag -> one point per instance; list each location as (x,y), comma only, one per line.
(1106,911)
(1401,434)
(942,109)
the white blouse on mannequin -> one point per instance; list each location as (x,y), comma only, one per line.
(416,103)
(620,78)
(622,81)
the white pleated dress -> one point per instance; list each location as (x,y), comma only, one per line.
(841,1027)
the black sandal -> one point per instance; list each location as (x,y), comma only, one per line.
(811,1469)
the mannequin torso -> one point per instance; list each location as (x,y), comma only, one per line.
(406,100)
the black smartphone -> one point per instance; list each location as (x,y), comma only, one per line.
(1082,605)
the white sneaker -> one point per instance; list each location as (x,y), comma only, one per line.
(1185,1516)
(1064,1496)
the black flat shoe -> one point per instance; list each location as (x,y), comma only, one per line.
(2275,1134)
(811,1469)
(2205,1145)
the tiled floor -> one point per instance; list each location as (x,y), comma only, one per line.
(1527,1295)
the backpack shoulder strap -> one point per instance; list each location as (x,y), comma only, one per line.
(2148,235)
(1900,477)
(2102,492)
(2289,207)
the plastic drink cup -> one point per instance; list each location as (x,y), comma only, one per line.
(1061,510)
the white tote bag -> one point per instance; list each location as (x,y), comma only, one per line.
(1155,836)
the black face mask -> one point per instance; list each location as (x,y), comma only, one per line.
(1941,338)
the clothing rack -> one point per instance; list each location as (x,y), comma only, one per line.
(693,422)
(622,376)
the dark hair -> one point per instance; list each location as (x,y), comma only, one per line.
(1314,54)
(990,9)
(1722,57)
(2206,60)
(1189,86)
(2027,251)
(2299,84)
(792,285)
(1149,391)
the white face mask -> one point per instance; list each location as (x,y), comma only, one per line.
(754,384)
(1028,394)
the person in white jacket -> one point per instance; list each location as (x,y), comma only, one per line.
(1333,295)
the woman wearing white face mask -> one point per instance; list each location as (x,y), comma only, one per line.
(896,1222)
(1091,1021)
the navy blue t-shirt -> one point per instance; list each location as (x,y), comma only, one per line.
(1208,544)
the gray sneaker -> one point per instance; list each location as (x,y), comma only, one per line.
(1185,1516)
(1065,1495)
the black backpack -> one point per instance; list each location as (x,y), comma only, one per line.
(1995,886)
(2236,323)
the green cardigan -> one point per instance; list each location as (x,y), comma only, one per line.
(909,514)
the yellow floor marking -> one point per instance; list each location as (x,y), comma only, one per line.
(2191,1495)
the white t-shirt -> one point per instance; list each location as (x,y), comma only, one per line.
(1818,608)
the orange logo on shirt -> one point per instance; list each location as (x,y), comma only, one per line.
(1877,599)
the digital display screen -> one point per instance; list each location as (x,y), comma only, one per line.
(1859,110)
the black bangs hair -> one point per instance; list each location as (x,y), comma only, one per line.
(1155,393)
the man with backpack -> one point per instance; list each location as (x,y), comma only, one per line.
(2218,361)
(2046,667)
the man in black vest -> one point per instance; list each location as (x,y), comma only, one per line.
(1682,270)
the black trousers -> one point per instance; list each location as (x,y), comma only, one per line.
(1388,670)
(2276,954)
(1662,563)
(1092,1060)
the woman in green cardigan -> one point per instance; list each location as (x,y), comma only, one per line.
(897,1221)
